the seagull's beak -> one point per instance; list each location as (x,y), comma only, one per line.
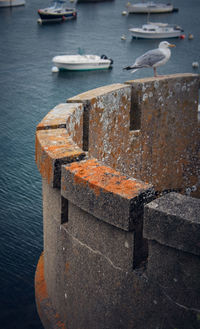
(171,45)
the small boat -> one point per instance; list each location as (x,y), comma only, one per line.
(82,62)
(57,12)
(156,31)
(12,3)
(149,7)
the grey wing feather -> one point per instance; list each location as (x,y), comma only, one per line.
(149,58)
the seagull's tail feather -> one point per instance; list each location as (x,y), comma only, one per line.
(131,67)
(128,68)
(134,70)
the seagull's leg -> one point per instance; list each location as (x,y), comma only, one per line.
(155,73)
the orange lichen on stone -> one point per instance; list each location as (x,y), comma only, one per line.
(44,306)
(53,124)
(52,145)
(67,267)
(40,284)
(46,168)
(60,325)
(101,178)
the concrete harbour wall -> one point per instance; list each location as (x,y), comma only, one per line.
(120,170)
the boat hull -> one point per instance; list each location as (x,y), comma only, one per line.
(82,67)
(150,35)
(145,9)
(82,62)
(12,3)
(57,17)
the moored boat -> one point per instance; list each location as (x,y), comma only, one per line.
(149,7)
(82,62)
(57,12)
(156,31)
(12,3)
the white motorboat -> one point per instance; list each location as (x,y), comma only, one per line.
(149,7)
(11,3)
(82,62)
(156,31)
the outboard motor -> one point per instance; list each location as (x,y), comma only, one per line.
(104,57)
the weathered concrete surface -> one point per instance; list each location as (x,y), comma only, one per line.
(172,227)
(174,220)
(101,238)
(92,290)
(74,123)
(69,116)
(176,273)
(113,98)
(169,129)
(54,267)
(165,109)
(105,193)
(54,147)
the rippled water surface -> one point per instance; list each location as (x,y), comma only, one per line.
(29,90)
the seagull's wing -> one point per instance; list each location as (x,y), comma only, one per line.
(150,58)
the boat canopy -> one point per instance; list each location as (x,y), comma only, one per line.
(59,3)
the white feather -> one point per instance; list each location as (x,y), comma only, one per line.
(134,70)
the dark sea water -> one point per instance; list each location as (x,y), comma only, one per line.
(29,90)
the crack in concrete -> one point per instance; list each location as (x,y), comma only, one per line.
(180,305)
(92,250)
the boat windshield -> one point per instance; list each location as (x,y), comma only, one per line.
(58,4)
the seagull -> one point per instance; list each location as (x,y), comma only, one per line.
(152,58)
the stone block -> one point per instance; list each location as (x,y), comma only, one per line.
(104,107)
(53,148)
(116,246)
(174,220)
(65,115)
(105,193)
(110,117)
(176,274)
(53,244)
(105,296)
(74,123)
(167,107)
(98,289)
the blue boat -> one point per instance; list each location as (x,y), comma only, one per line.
(57,12)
